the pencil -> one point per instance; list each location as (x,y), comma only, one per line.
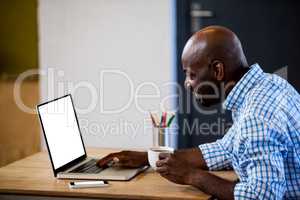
(164,119)
(170,120)
(161,120)
(154,121)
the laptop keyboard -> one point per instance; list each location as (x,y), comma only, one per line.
(89,167)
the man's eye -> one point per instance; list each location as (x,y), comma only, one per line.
(192,75)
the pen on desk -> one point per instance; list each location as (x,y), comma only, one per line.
(87,184)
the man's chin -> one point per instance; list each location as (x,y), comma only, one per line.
(207,102)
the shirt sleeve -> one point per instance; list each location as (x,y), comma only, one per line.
(260,154)
(217,154)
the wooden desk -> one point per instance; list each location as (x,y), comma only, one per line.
(33,176)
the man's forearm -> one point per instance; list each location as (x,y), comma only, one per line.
(194,157)
(211,184)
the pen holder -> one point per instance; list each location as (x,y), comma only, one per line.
(159,136)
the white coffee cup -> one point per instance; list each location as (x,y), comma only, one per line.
(153,154)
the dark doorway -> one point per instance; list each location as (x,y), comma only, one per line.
(269,31)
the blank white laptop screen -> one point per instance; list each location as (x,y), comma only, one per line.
(61,131)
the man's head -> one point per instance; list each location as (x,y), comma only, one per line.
(212,57)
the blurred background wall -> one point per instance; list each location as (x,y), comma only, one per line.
(103,52)
(269,32)
(19,135)
(18,44)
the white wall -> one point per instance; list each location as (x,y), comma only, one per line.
(80,39)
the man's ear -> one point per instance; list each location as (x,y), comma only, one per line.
(218,68)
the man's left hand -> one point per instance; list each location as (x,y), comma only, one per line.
(176,169)
(179,170)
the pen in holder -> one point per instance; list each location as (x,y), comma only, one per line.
(161,129)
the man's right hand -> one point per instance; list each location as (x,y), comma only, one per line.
(126,159)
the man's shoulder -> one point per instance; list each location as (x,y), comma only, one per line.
(271,101)
(269,97)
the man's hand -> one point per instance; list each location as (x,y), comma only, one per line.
(126,159)
(175,168)
(180,170)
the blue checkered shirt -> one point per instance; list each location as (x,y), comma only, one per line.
(263,144)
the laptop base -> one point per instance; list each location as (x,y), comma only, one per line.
(111,173)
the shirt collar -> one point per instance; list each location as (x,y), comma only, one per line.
(237,95)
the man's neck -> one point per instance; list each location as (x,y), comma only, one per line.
(239,73)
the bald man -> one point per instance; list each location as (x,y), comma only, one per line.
(263,144)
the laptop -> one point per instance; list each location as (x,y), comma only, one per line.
(66,148)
